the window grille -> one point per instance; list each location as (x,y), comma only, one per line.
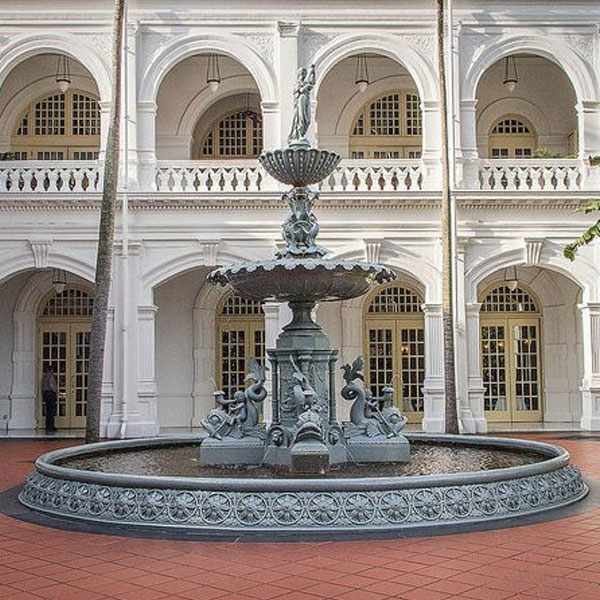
(207,146)
(50,116)
(23,128)
(235,305)
(233,135)
(238,134)
(50,155)
(86,115)
(385,115)
(510,126)
(359,126)
(85,155)
(395,300)
(414,118)
(503,299)
(71,302)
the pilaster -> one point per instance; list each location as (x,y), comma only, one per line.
(590,385)
(433,386)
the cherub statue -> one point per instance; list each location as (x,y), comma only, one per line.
(302,108)
(238,416)
(365,415)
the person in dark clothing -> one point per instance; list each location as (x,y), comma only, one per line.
(49,396)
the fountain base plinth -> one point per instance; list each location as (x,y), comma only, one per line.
(232,451)
(378,449)
(311,457)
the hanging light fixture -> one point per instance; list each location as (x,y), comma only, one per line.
(59,280)
(510,73)
(511,280)
(213,73)
(63,72)
(361,77)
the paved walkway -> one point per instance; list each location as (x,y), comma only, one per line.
(555,560)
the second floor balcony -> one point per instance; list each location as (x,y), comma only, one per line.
(353,176)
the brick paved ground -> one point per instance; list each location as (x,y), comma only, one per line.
(557,560)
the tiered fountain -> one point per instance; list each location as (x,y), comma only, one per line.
(305,472)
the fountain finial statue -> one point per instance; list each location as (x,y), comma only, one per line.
(302,108)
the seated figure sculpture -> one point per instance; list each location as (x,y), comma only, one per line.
(367,417)
(238,417)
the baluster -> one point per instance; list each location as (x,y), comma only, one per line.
(4,187)
(560,176)
(203,180)
(162,180)
(29,183)
(547,179)
(484,179)
(572,178)
(228,180)
(78,175)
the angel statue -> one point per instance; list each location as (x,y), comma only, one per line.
(238,416)
(302,107)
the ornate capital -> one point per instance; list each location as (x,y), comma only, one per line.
(288,29)
(533,251)
(372,250)
(210,248)
(40,250)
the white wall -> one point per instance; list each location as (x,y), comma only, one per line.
(9,292)
(174,345)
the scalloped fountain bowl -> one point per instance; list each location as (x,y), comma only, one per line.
(154,485)
(301,279)
(299,167)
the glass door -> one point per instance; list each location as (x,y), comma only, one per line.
(66,347)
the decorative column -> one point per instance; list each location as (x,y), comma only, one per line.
(475,382)
(469,151)
(288,67)
(132,42)
(433,387)
(432,176)
(590,385)
(146,146)
(588,113)
(465,416)
(271,311)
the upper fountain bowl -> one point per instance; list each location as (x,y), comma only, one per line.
(298,166)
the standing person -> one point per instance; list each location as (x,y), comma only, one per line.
(49,392)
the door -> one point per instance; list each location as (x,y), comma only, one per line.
(511,370)
(396,358)
(65,346)
(239,340)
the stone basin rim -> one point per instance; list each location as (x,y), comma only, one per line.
(558,457)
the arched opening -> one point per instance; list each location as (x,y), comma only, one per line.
(240,337)
(49,111)
(530,346)
(394,346)
(379,118)
(531,102)
(230,129)
(196,120)
(512,136)
(63,334)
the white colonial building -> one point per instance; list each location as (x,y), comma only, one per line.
(207,87)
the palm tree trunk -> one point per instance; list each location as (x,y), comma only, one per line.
(451,414)
(106,234)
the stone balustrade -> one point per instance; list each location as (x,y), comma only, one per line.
(352,176)
(531,175)
(50,177)
(210,176)
(379,176)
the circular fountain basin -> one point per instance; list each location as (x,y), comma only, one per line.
(301,279)
(516,478)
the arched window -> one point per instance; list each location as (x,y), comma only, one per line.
(240,337)
(395,346)
(512,137)
(64,325)
(62,126)
(390,126)
(511,355)
(237,134)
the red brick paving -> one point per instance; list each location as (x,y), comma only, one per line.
(558,560)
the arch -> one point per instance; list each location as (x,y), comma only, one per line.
(524,289)
(414,303)
(582,273)
(521,108)
(396,48)
(26,46)
(165,59)
(23,388)
(579,72)
(26,261)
